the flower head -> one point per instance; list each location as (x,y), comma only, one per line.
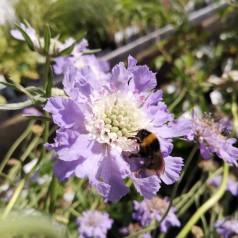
(154,209)
(96,121)
(232,184)
(227,227)
(94,224)
(55,45)
(80,60)
(212,138)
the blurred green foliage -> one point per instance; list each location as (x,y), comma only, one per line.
(100,19)
(15,59)
(194,53)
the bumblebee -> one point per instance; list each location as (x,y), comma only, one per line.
(149,150)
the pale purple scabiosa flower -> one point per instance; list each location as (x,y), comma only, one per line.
(212,138)
(80,60)
(227,228)
(63,63)
(55,45)
(232,184)
(148,210)
(96,120)
(94,224)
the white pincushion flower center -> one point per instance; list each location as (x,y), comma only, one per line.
(114,118)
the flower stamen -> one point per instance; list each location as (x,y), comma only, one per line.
(115,117)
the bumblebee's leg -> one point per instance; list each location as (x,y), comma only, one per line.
(137,139)
(140,171)
(147,163)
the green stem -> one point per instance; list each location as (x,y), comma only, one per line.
(36,141)
(178,99)
(234,111)
(207,205)
(192,174)
(46,72)
(45,137)
(46,131)
(188,161)
(201,183)
(53,193)
(211,226)
(189,202)
(30,147)
(203,219)
(19,189)
(183,199)
(162,235)
(14,197)
(74,212)
(34,202)
(15,145)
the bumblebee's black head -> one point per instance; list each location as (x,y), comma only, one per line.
(142,134)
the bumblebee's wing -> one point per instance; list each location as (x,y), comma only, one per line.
(159,163)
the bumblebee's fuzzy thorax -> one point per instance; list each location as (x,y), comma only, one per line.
(149,150)
(149,140)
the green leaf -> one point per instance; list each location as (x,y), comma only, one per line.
(26,37)
(18,87)
(66,51)
(50,83)
(47,37)
(31,90)
(9,85)
(81,36)
(41,118)
(23,90)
